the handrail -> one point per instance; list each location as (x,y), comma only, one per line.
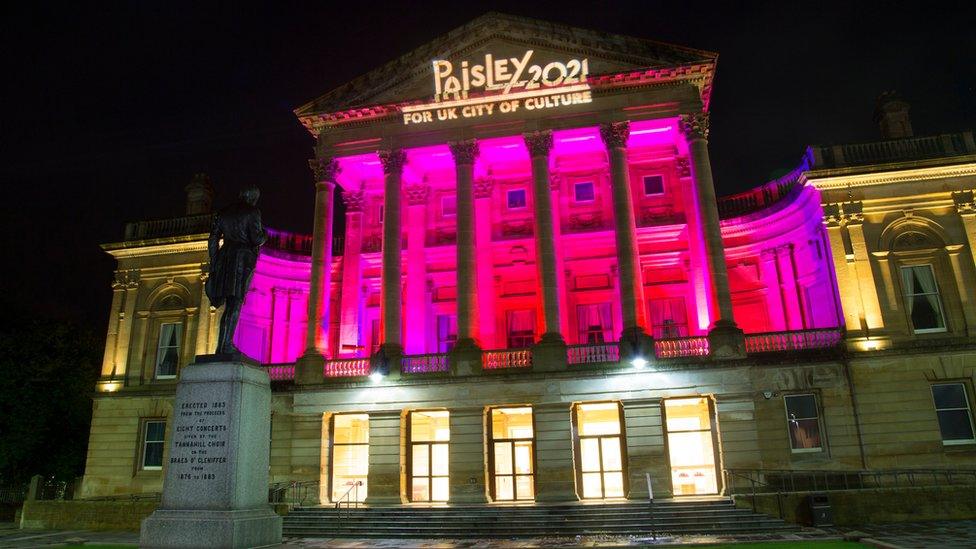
(277,492)
(348,501)
(730,475)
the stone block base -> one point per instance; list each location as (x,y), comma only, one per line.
(204,528)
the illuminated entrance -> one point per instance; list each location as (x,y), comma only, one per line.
(599,450)
(691,445)
(429,434)
(511,454)
(349,456)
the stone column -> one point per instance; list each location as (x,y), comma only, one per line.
(392,298)
(966,208)
(383,478)
(467,470)
(861,263)
(539,144)
(555,477)
(465,153)
(349,328)
(725,338)
(204,319)
(114,319)
(317,329)
(615,135)
(416,301)
(965,292)
(485,262)
(850,299)
(125,331)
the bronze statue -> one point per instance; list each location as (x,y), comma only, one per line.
(232,264)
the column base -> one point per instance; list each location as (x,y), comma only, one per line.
(210,528)
(726,340)
(393,354)
(549,354)
(634,343)
(309,368)
(466,357)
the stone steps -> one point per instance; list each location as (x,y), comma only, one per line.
(715,516)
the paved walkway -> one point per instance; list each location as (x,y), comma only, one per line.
(948,534)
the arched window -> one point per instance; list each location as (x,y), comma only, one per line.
(169,333)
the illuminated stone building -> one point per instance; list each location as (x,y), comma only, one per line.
(551,299)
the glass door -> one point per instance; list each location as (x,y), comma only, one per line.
(691,446)
(349,456)
(512,454)
(430,432)
(601,469)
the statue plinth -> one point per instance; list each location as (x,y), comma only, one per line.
(215,492)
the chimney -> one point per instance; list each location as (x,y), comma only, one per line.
(891,116)
(199,195)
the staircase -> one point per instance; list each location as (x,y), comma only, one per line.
(712,516)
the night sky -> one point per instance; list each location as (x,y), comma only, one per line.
(108,110)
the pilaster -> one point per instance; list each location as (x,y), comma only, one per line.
(555,475)
(539,144)
(484,259)
(465,153)
(965,291)
(205,314)
(468,466)
(383,479)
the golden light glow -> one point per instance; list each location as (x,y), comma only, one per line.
(350,456)
(690,446)
(514,468)
(601,457)
(430,432)
(109,386)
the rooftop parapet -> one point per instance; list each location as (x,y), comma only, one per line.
(909,149)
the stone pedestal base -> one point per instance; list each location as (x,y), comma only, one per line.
(309,368)
(231,529)
(726,340)
(466,358)
(549,354)
(634,343)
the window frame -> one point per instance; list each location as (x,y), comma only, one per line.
(576,197)
(144,442)
(162,323)
(578,450)
(508,200)
(938,294)
(969,413)
(530,334)
(332,445)
(820,424)
(491,440)
(430,459)
(644,184)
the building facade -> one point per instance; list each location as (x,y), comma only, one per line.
(539,297)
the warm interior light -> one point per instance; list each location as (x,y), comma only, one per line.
(690,446)
(638,362)
(376,377)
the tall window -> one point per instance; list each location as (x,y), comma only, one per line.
(153,434)
(512,456)
(521,328)
(594,323)
(168,351)
(653,184)
(446,333)
(669,318)
(803,423)
(515,199)
(955,415)
(374,336)
(349,456)
(430,432)
(691,446)
(922,299)
(600,450)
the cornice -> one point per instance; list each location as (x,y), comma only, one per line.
(157,246)
(826,182)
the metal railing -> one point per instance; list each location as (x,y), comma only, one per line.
(681,347)
(506,358)
(593,353)
(354,489)
(346,367)
(425,364)
(787,480)
(801,340)
(296,492)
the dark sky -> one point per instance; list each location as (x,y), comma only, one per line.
(108,109)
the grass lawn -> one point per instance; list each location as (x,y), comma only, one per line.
(791,545)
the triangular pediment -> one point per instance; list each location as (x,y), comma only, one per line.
(411,77)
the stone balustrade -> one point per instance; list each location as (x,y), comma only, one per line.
(506,358)
(793,341)
(695,346)
(593,353)
(425,364)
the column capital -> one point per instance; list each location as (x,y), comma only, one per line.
(393,160)
(354,199)
(615,134)
(539,143)
(417,194)
(964,202)
(325,169)
(695,126)
(464,152)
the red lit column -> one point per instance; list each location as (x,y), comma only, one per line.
(484,261)
(416,310)
(393,162)
(615,135)
(316,335)
(695,129)
(349,329)
(465,153)
(539,144)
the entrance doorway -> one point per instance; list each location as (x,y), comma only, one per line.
(349,457)
(691,445)
(599,450)
(511,454)
(430,433)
